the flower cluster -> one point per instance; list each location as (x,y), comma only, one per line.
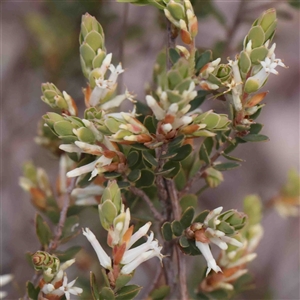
(116,220)
(95,63)
(54,284)
(218,229)
(233,260)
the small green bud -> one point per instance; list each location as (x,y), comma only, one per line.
(267,19)
(213,177)
(244,62)
(176,10)
(48,263)
(252,85)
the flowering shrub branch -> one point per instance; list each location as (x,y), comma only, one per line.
(116,161)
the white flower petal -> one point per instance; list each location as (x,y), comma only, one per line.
(211,263)
(104,259)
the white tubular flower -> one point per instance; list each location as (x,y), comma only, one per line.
(115,72)
(243,260)
(88,148)
(67,288)
(68,99)
(157,110)
(212,215)
(48,288)
(95,167)
(211,263)
(130,267)
(132,254)
(86,196)
(70,148)
(104,259)
(92,127)
(137,235)
(166,128)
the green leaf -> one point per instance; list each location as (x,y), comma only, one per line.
(219,294)
(182,153)
(111,175)
(198,100)
(203,59)
(177,228)
(177,141)
(187,217)
(180,180)
(32,292)
(203,155)
(187,201)
(226,166)
(294,3)
(71,229)
(150,159)
(67,254)
(63,128)
(257,36)
(93,285)
(128,292)
(255,138)
(256,128)
(230,148)
(232,158)
(147,179)
(174,55)
(227,229)
(108,211)
(183,242)
(123,184)
(173,167)
(105,279)
(139,147)
(161,293)
(107,294)
(201,217)
(209,144)
(150,123)
(122,280)
(167,231)
(43,231)
(134,175)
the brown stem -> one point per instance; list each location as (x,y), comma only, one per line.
(144,196)
(63,215)
(182,274)
(62,219)
(180,257)
(152,286)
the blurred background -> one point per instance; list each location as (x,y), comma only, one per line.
(40,44)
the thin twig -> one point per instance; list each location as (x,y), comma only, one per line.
(182,274)
(63,215)
(174,199)
(152,286)
(199,174)
(62,219)
(140,193)
(180,258)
